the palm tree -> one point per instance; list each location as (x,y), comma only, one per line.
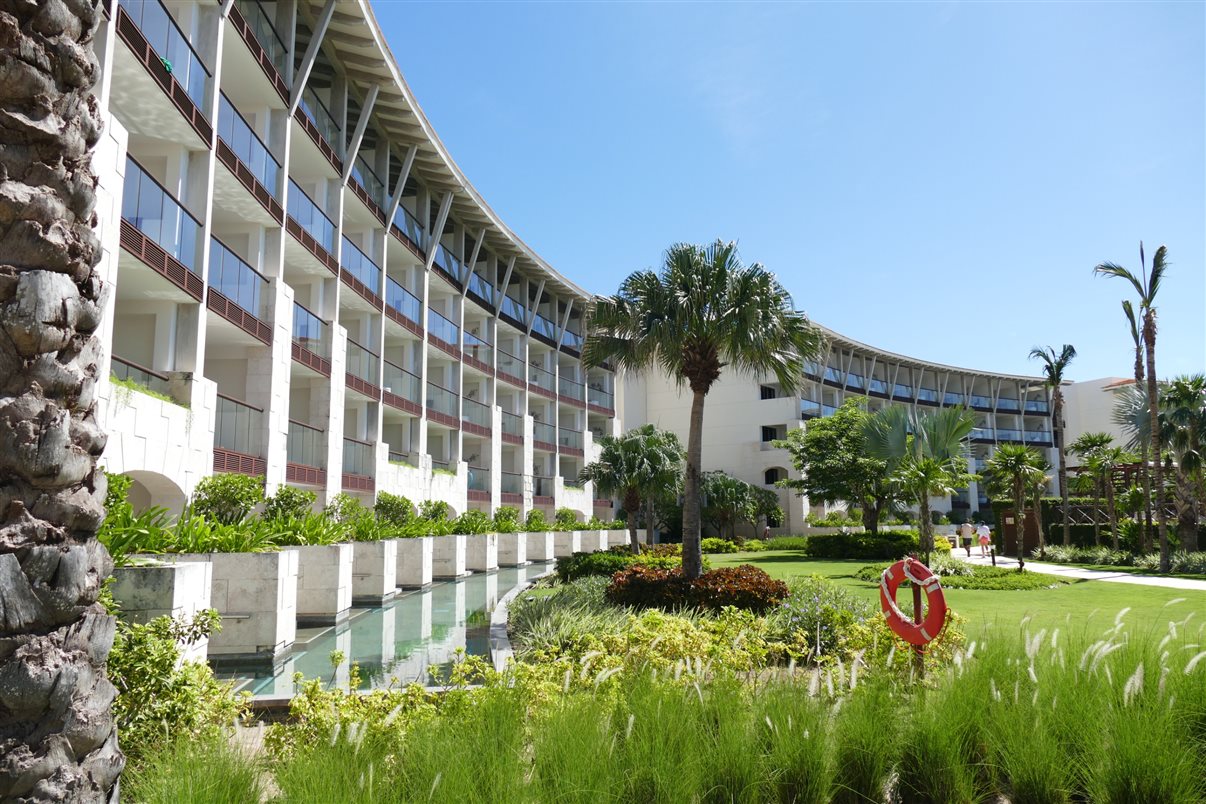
(635,467)
(1109,459)
(1016,467)
(57,738)
(1089,447)
(1147,285)
(1038,485)
(1145,523)
(1054,366)
(705,312)
(925,453)
(1183,420)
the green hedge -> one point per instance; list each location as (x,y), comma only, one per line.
(885,545)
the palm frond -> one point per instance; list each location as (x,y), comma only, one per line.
(1159,265)
(1111,269)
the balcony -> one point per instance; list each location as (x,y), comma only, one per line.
(511,370)
(157,42)
(511,486)
(542,490)
(311,341)
(572,341)
(158,230)
(982,434)
(402,390)
(311,227)
(927,396)
(544,436)
(359,465)
(443,333)
(1009,435)
(238,437)
(545,330)
(448,264)
(319,124)
(368,187)
(266,45)
(1039,438)
(403,307)
(442,406)
(247,157)
(514,312)
(481,291)
(569,442)
(512,428)
(980,402)
(1009,404)
(238,292)
(360,273)
(408,229)
(157,384)
(542,382)
(479,484)
(1039,406)
(809,409)
(952,400)
(902,391)
(479,354)
(600,400)
(877,387)
(306,453)
(476,418)
(571,391)
(363,370)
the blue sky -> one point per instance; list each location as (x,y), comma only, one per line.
(933,179)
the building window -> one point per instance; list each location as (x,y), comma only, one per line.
(769,434)
(768,392)
(774,475)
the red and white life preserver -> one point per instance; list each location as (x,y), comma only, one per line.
(919,574)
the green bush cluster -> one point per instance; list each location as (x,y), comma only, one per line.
(713,544)
(608,562)
(887,544)
(833,519)
(744,587)
(1180,561)
(958,574)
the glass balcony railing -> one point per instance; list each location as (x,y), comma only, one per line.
(153,211)
(358,458)
(1009,435)
(401,457)
(367,178)
(544,432)
(569,438)
(479,479)
(265,33)
(512,425)
(600,397)
(927,395)
(172,46)
(1038,437)
(811,368)
(510,482)
(400,382)
(306,445)
(902,391)
(475,413)
(542,486)
(441,400)
(878,387)
(442,465)
(448,261)
(542,326)
(828,410)
(309,217)
(479,287)
(573,390)
(510,364)
(809,409)
(541,378)
(476,342)
(513,310)
(1008,404)
(409,226)
(238,426)
(982,433)
(831,374)
(1037,406)
(573,340)
(403,301)
(979,401)
(310,332)
(318,113)
(237,281)
(248,147)
(360,266)
(440,327)
(123,369)
(362,363)
(854,381)
(952,400)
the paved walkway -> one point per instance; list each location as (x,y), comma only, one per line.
(1087,574)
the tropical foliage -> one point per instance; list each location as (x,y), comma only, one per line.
(729,502)
(1054,366)
(638,467)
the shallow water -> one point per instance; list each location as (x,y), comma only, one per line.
(411,638)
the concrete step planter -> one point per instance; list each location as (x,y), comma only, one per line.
(540,545)
(256,594)
(374,572)
(512,549)
(481,552)
(567,542)
(593,540)
(174,590)
(324,583)
(617,538)
(448,557)
(415,562)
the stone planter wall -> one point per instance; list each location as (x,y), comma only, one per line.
(374,571)
(324,583)
(593,540)
(567,542)
(481,552)
(540,545)
(448,557)
(415,562)
(174,590)
(512,549)
(616,538)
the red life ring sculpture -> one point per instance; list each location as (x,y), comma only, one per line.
(919,574)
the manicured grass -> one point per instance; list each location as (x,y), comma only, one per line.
(1129,570)
(1082,603)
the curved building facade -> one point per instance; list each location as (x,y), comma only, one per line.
(744,416)
(305,286)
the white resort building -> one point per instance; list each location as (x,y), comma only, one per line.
(309,285)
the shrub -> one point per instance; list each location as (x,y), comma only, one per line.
(472,522)
(535,521)
(289,503)
(887,544)
(787,543)
(227,497)
(816,616)
(196,534)
(345,508)
(714,545)
(754,545)
(123,532)
(506,519)
(745,587)
(566,519)
(957,574)
(394,509)
(942,544)
(310,529)
(833,519)
(581,565)
(435,510)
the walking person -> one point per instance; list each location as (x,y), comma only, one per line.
(985,538)
(966,532)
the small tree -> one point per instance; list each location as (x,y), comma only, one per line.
(1054,366)
(1016,467)
(638,466)
(394,509)
(1090,447)
(227,498)
(288,503)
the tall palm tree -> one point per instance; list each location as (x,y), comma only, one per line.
(635,467)
(705,312)
(57,738)
(1147,285)
(1183,415)
(1038,486)
(1145,523)
(925,453)
(1017,467)
(1109,459)
(1090,447)
(1054,366)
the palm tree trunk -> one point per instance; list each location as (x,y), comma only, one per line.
(1097,519)
(1038,521)
(1153,406)
(692,557)
(650,524)
(1019,518)
(926,529)
(57,738)
(1112,510)
(1062,456)
(632,506)
(1187,513)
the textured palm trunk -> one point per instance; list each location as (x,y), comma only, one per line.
(1019,520)
(1057,403)
(692,556)
(926,527)
(632,505)
(1153,407)
(1037,510)
(57,738)
(1112,510)
(871,517)
(1144,519)
(650,525)
(1097,488)
(1187,512)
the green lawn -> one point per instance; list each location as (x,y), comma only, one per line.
(1130,570)
(1088,604)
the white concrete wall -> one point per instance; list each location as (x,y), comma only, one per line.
(1089,408)
(324,585)
(374,571)
(415,557)
(173,590)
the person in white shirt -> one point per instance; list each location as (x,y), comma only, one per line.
(985,537)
